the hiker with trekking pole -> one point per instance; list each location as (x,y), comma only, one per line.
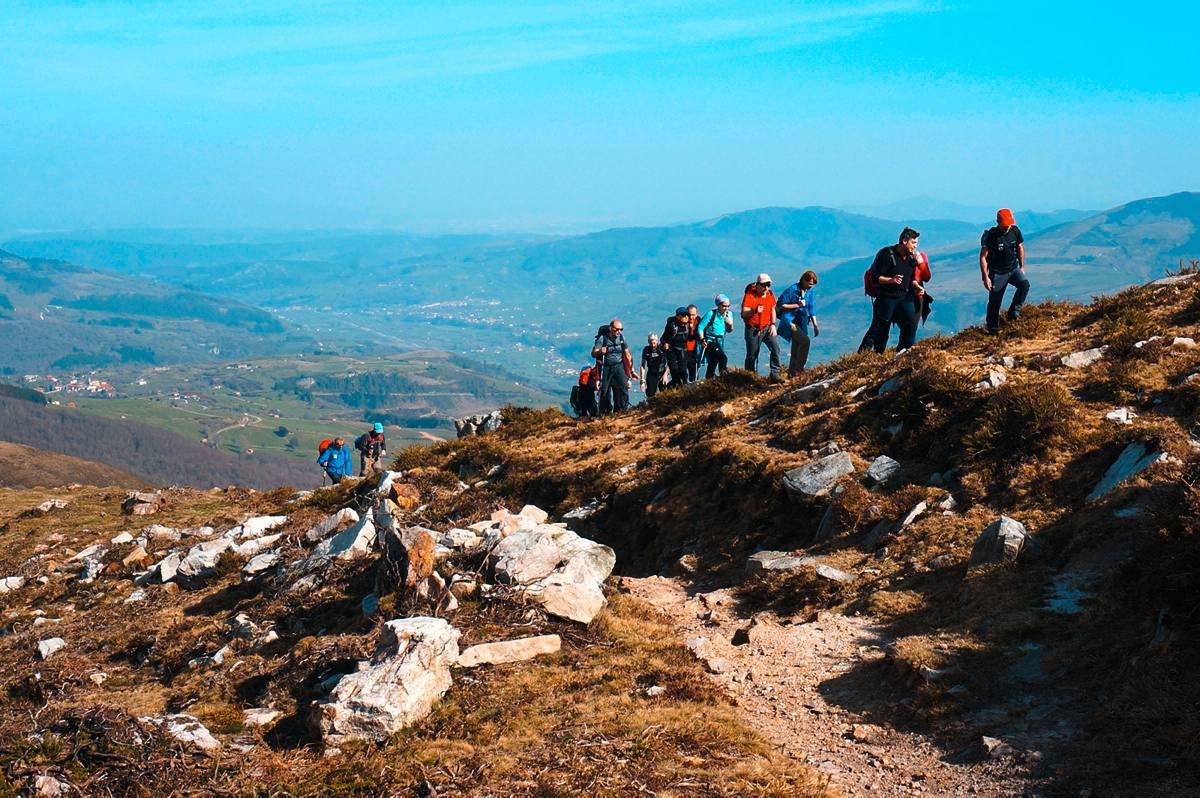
(713,328)
(797,311)
(616,367)
(758,312)
(336,460)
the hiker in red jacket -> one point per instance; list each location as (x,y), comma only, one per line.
(758,312)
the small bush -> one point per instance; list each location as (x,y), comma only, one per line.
(1126,327)
(731,384)
(1022,420)
(934,383)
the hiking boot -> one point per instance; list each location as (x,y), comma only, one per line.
(1013,314)
(993,331)
(775,379)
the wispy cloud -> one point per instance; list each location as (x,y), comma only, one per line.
(233,51)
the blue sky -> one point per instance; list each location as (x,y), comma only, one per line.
(569,116)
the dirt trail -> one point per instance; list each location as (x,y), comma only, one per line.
(810,689)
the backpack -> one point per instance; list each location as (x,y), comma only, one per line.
(870,283)
(586,377)
(575,406)
(323,445)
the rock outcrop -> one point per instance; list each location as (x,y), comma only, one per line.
(819,477)
(409,672)
(1002,542)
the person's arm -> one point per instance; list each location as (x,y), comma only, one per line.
(748,310)
(983,269)
(1021,255)
(597,349)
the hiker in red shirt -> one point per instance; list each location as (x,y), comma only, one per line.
(758,312)
(694,346)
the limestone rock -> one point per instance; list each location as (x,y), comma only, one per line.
(882,470)
(1122,415)
(50,505)
(763,561)
(49,787)
(200,562)
(122,539)
(819,477)
(185,729)
(168,567)
(259,716)
(509,651)
(138,558)
(1135,458)
(1078,360)
(409,556)
(479,424)
(348,544)
(576,601)
(833,574)
(916,512)
(814,389)
(256,527)
(341,520)
(253,547)
(524,557)
(1183,343)
(584,512)
(50,646)
(405,495)
(459,539)
(10,583)
(994,379)
(1003,541)
(142,503)
(410,670)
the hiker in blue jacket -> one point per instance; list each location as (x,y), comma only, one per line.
(797,310)
(337,461)
(712,329)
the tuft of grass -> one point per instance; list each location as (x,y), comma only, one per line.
(730,385)
(1127,325)
(1022,420)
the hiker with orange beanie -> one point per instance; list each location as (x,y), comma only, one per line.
(1001,264)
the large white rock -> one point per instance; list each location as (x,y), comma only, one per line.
(50,646)
(256,527)
(259,564)
(185,729)
(556,568)
(1078,360)
(342,519)
(524,557)
(10,583)
(348,544)
(818,477)
(254,546)
(1135,458)
(168,566)
(461,539)
(201,560)
(410,670)
(815,389)
(1001,542)
(509,651)
(575,601)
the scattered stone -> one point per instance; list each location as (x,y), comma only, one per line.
(49,787)
(1174,279)
(339,521)
(1135,458)
(535,514)
(654,691)
(478,424)
(941,561)
(829,523)
(50,646)
(1151,339)
(994,379)
(138,558)
(213,660)
(1183,343)
(98,678)
(1002,542)
(142,503)
(95,551)
(584,512)
(892,385)
(200,562)
(762,561)
(757,631)
(913,514)
(724,413)
(405,495)
(135,596)
(716,664)
(995,748)
(121,539)
(833,574)
(92,567)
(409,557)
(882,470)
(1122,415)
(185,729)
(865,733)
(519,650)
(410,670)
(10,583)
(817,478)
(1078,360)
(524,557)
(348,544)
(1008,361)
(255,546)
(815,389)
(50,505)
(256,527)
(948,504)
(260,716)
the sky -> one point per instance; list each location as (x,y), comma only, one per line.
(561,117)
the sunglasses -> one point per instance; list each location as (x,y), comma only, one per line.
(617,329)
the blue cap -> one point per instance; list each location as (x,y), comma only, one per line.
(378,427)
(681,311)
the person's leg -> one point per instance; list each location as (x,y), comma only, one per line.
(653,380)
(679,368)
(621,392)
(752,344)
(693,364)
(362,464)
(606,391)
(1021,283)
(881,321)
(905,315)
(868,339)
(800,346)
(723,358)
(772,342)
(995,298)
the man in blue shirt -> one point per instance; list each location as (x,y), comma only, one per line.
(337,461)
(798,309)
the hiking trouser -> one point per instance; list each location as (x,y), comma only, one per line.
(900,310)
(334,476)
(652,382)
(693,363)
(755,339)
(614,390)
(677,364)
(800,345)
(587,401)
(1001,281)
(714,353)
(368,464)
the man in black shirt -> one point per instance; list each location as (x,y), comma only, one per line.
(674,342)
(616,367)
(894,270)
(652,366)
(1001,264)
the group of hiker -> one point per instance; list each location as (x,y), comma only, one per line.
(338,462)
(896,282)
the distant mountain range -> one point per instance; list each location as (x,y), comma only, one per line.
(532,306)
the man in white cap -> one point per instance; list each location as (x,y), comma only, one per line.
(758,312)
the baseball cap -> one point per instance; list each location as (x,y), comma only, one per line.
(378,427)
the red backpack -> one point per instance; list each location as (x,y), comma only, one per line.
(323,445)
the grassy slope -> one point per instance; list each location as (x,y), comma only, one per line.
(710,481)
(575,722)
(26,467)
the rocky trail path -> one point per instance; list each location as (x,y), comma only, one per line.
(811,690)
